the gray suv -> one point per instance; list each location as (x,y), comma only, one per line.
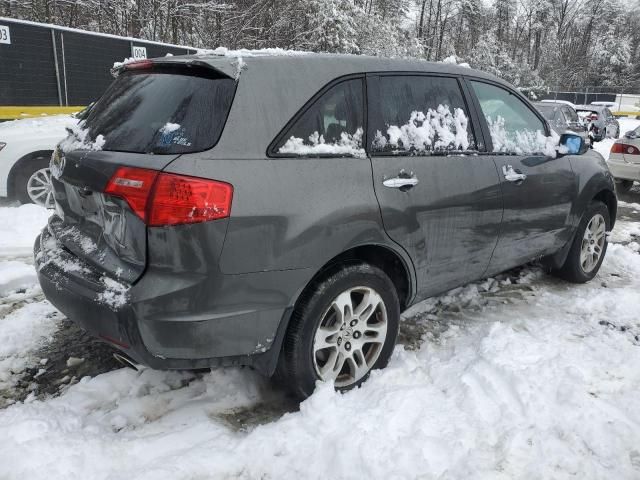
(281,211)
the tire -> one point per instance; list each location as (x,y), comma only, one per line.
(316,319)
(624,186)
(26,170)
(579,268)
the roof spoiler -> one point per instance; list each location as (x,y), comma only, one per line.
(226,69)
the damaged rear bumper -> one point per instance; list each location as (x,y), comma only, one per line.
(159,320)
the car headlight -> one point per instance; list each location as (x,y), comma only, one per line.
(2,145)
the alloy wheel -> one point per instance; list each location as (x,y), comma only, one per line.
(39,188)
(350,336)
(593,243)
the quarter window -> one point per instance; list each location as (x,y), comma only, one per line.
(421,114)
(513,126)
(331,126)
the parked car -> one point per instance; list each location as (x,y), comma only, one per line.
(604,104)
(624,160)
(281,215)
(565,102)
(26,146)
(600,122)
(562,119)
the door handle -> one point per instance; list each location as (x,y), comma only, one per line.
(404,181)
(510,175)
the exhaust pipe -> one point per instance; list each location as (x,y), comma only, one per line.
(125,361)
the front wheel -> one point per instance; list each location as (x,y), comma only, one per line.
(589,245)
(33,183)
(343,327)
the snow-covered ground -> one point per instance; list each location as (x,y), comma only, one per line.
(520,376)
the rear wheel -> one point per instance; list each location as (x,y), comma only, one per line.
(344,326)
(589,245)
(32,182)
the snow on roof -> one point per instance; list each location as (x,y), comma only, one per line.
(88,32)
(243,52)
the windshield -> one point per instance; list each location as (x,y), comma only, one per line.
(164,110)
(548,112)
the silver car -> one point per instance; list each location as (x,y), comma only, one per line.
(624,160)
(600,121)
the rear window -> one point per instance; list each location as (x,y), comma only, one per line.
(165,111)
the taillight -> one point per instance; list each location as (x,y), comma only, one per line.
(625,149)
(138,65)
(169,199)
(134,185)
(179,199)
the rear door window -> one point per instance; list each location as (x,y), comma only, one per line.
(331,126)
(513,126)
(163,111)
(421,114)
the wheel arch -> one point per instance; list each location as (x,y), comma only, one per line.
(19,164)
(381,256)
(609,198)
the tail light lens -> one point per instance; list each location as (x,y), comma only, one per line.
(179,199)
(169,199)
(134,185)
(625,149)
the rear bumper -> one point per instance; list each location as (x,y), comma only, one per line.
(623,170)
(158,322)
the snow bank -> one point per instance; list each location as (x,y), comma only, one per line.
(22,331)
(15,275)
(545,386)
(316,145)
(437,130)
(19,227)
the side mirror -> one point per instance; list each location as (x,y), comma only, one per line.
(631,134)
(572,145)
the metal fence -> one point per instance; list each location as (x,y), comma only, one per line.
(624,100)
(49,65)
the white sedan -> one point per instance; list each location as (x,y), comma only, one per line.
(25,150)
(624,160)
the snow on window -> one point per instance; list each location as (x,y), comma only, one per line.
(521,142)
(347,144)
(78,139)
(437,130)
(169,127)
(173,134)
